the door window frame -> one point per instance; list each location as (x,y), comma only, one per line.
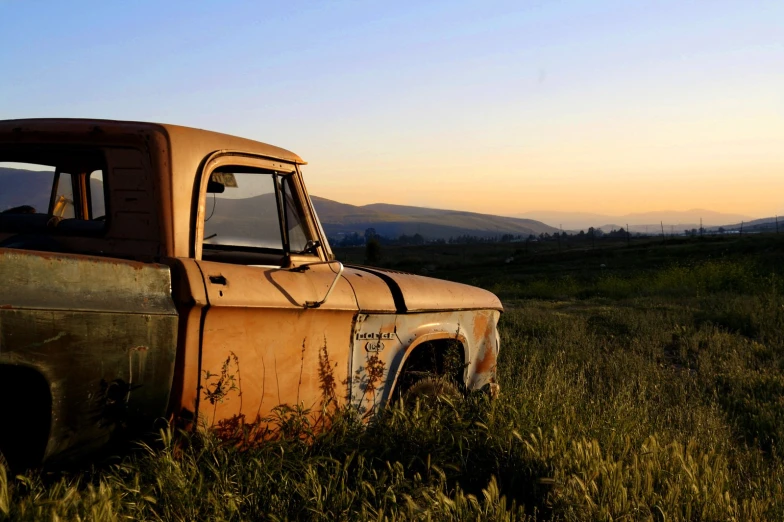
(224,159)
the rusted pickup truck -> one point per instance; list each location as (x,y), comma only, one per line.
(152,271)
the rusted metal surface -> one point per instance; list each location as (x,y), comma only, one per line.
(190,296)
(122,342)
(47,281)
(102,333)
(257,322)
(422,294)
(279,348)
(373,294)
(389,291)
(384,341)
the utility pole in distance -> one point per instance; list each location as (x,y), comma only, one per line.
(777,224)
(628,236)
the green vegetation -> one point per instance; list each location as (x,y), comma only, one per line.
(648,389)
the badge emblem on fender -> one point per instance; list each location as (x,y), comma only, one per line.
(374,346)
(375,335)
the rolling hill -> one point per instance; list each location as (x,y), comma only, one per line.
(396,220)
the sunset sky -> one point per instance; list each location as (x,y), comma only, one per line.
(497,107)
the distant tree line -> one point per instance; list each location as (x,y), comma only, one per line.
(355,239)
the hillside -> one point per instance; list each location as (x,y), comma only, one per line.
(395,220)
(768,224)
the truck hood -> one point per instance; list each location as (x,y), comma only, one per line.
(383,290)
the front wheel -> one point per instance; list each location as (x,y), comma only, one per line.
(430,390)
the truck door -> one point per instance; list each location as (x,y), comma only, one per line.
(268,336)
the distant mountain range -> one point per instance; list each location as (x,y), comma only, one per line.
(639,221)
(396,220)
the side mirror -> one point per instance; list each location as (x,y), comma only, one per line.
(311,246)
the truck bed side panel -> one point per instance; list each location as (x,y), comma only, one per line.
(103,334)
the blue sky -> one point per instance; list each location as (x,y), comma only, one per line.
(497,107)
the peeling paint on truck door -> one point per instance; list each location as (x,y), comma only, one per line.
(256,314)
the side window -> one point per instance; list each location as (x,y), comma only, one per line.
(63,205)
(243,212)
(96,191)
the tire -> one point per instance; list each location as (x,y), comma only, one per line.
(431,390)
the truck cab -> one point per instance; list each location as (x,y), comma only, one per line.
(154,271)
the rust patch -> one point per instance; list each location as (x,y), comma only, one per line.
(488,361)
(480,325)
(61,257)
(6,307)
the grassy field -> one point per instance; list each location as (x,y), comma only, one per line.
(638,383)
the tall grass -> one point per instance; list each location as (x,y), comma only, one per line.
(673,281)
(654,395)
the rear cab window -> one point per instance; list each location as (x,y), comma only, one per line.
(52,190)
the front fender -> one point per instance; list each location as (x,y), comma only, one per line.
(383,343)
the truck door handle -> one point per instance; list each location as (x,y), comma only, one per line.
(218,280)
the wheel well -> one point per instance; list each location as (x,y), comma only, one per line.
(26,413)
(442,357)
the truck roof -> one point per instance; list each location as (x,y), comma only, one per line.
(199,141)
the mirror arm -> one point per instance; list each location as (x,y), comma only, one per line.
(316,304)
